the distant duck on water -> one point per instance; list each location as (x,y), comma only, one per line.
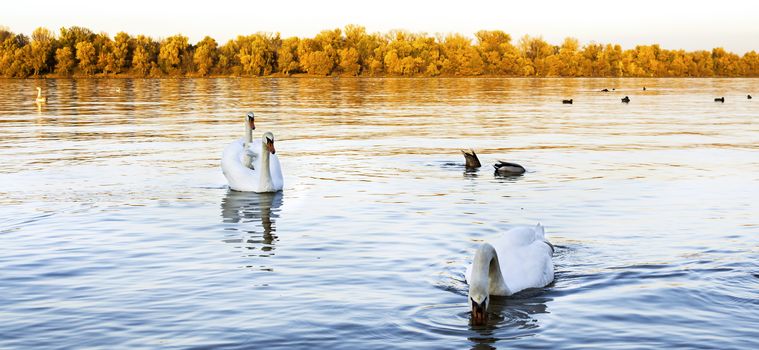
(567,102)
(748,97)
(720,99)
(626,99)
(40,98)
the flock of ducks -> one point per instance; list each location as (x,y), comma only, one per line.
(626,99)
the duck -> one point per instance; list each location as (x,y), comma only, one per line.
(720,99)
(508,169)
(604,90)
(644,88)
(626,100)
(472,162)
(567,102)
(518,259)
(749,97)
(501,168)
(40,98)
(252,165)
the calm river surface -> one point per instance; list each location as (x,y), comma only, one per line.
(118,231)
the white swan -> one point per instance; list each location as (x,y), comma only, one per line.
(40,98)
(518,259)
(252,166)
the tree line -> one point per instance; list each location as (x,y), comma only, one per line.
(79,52)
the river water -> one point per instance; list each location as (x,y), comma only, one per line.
(118,231)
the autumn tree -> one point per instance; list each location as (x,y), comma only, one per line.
(726,63)
(120,52)
(170,55)
(287,55)
(85,53)
(751,63)
(320,54)
(498,54)
(71,36)
(257,53)
(567,61)
(534,51)
(461,57)
(228,61)
(349,61)
(206,55)
(42,49)
(65,61)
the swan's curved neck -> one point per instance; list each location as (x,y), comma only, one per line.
(248,132)
(486,271)
(265,182)
(247,160)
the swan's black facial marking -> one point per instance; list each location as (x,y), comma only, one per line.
(479,312)
(270,145)
(252,121)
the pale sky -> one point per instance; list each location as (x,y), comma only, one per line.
(689,25)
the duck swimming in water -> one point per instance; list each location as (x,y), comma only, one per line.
(472,162)
(508,169)
(501,168)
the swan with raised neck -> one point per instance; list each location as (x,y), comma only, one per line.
(40,98)
(267,147)
(250,125)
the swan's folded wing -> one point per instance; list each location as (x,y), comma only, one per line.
(276,172)
(254,149)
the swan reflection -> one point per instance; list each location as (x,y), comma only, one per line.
(511,317)
(255,214)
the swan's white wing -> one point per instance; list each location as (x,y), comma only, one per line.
(524,257)
(240,178)
(276,172)
(522,250)
(254,149)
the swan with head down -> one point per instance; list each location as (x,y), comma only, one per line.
(520,258)
(252,165)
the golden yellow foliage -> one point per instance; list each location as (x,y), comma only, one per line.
(353,52)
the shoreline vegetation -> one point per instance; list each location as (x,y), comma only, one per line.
(77,52)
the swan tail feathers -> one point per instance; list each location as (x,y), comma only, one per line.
(540,232)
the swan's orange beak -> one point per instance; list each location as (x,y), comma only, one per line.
(270,146)
(479,314)
(252,123)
